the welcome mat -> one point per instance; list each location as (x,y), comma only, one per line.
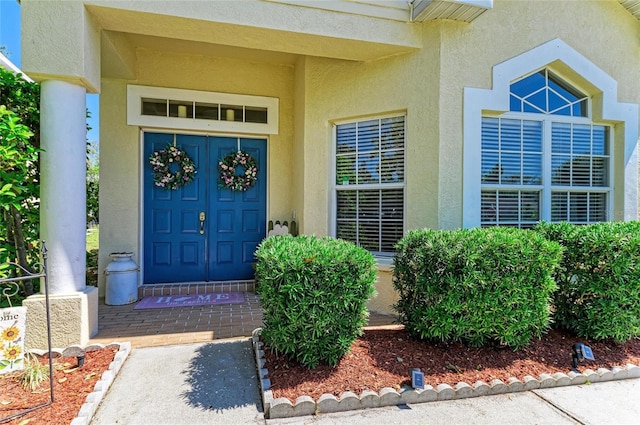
(164,301)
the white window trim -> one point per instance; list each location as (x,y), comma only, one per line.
(477,100)
(385,259)
(135,94)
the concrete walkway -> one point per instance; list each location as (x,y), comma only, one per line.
(216,383)
(212,383)
(615,403)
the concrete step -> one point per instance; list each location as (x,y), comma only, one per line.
(189,288)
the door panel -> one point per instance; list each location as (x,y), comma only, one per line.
(241,216)
(235,222)
(174,249)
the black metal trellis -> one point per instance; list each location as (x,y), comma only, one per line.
(11,287)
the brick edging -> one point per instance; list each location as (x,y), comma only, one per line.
(93,400)
(328,403)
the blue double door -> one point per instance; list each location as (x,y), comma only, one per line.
(202,232)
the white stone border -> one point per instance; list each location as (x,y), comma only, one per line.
(328,403)
(88,409)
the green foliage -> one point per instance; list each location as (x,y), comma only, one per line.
(93,186)
(19,178)
(19,173)
(17,157)
(92,256)
(598,280)
(19,192)
(23,98)
(34,373)
(480,286)
(313,293)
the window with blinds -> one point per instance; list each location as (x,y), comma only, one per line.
(544,160)
(369,171)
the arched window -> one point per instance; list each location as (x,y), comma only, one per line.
(548,141)
(544,159)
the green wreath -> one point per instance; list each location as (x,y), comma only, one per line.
(228,167)
(164,162)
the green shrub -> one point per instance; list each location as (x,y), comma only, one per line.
(480,286)
(19,174)
(598,280)
(314,293)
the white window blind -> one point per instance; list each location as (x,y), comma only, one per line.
(369,172)
(519,153)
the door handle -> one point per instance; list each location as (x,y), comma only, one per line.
(202,218)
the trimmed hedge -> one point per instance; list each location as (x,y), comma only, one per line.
(480,286)
(314,293)
(598,280)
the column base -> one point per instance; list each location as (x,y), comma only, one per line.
(74,319)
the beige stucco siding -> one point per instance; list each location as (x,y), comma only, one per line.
(119,177)
(70,52)
(417,69)
(120,161)
(239,77)
(429,85)
(600,31)
(342,90)
(297,157)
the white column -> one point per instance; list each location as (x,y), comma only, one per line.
(62,188)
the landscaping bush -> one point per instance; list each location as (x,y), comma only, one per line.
(598,279)
(19,175)
(313,293)
(479,286)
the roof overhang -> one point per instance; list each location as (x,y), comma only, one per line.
(266,26)
(633,6)
(459,10)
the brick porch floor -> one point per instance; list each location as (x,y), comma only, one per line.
(169,326)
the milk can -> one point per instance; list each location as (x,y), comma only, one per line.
(122,279)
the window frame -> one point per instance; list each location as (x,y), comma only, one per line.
(546,188)
(571,65)
(381,257)
(138,95)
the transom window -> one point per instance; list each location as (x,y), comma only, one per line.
(544,160)
(160,107)
(369,185)
(545,93)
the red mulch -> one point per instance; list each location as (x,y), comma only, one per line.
(71,387)
(384,358)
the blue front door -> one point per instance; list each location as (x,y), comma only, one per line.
(202,232)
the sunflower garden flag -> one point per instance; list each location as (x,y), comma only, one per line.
(12,330)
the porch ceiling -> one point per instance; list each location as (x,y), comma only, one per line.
(261,31)
(118,52)
(210,49)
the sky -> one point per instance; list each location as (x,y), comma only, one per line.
(10,39)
